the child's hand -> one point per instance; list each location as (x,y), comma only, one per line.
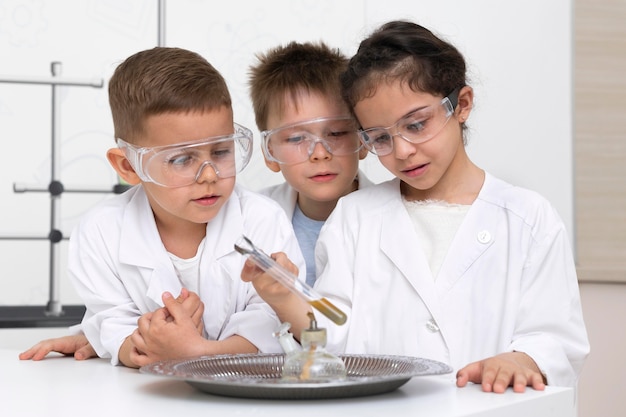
(270,290)
(288,306)
(78,345)
(193,306)
(166,333)
(495,374)
(129,355)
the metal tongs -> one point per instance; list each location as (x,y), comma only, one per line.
(245,247)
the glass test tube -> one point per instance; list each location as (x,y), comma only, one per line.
(289,280)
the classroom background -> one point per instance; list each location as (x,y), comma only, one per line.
(522,60)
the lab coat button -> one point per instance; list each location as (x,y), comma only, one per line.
(432,326)
(484,236)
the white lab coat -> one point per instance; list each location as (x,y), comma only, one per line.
(286,196)
(508,282)
(120,268)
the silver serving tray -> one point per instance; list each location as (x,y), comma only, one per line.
(259,375)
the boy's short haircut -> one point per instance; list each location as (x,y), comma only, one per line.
(162,80)
(285,70)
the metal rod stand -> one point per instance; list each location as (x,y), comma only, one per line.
(55,188)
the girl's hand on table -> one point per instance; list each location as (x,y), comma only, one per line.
(497,373)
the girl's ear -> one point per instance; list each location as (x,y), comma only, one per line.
(120,164)
(465,103)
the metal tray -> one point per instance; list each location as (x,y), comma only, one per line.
(259,375)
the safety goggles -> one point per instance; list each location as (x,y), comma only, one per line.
(182,164)
(295,143)
(416,127)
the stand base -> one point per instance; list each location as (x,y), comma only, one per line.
(38,316)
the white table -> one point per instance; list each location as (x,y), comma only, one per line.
(61,387)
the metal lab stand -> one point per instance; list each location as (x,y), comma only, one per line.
(55,188)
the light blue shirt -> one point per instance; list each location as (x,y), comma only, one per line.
(307,230)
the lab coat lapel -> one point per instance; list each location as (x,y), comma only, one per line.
(219,266)
(286,196)
(141,246)
(223,231)
(475,236)
(400,243)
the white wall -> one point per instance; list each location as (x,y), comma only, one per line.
(519,56)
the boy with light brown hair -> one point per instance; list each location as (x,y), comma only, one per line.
(174,231)
(307,134)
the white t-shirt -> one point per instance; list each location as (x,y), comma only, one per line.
(436,222)
(188,270)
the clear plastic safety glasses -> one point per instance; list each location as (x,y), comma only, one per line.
(182,164)
(416,127)
(296,143)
